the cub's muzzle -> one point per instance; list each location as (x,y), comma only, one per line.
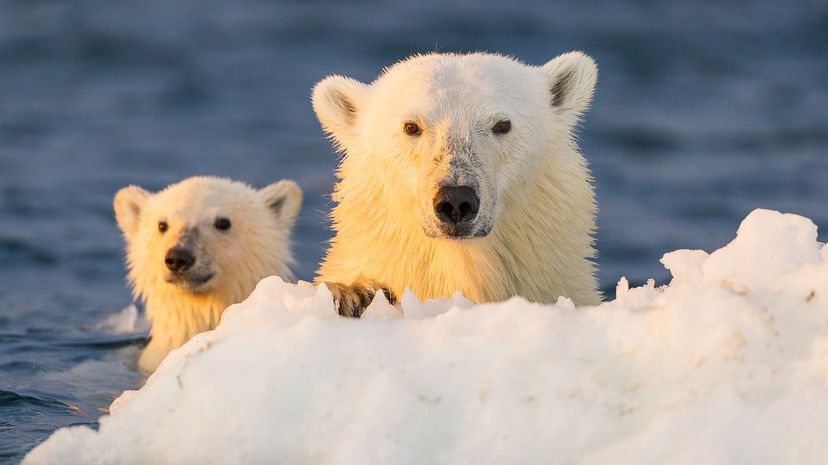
(179,259)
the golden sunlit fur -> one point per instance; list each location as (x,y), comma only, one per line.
(256,245)
(534,186)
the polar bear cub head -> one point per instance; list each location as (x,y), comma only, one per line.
(207,235)
(199,246)
(457,132)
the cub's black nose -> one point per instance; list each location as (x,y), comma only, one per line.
(179,259)
(456,204)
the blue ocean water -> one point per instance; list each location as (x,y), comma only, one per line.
(704,111)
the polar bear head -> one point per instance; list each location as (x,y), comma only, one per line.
(206,236)
(456,133)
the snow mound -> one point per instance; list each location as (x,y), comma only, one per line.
(728,364)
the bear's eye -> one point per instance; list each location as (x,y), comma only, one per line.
(222,224)
(163,227)
(412,129)
(502,127)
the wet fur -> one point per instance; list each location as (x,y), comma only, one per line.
(256,246)
(535,188)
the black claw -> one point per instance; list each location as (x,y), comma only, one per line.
(352,300)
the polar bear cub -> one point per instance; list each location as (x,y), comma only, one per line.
(461,172)
(199,246)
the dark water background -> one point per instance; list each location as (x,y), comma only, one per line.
(704,110)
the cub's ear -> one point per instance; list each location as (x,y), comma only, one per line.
(337,101)
(284,199)
(128,204)
(571,79)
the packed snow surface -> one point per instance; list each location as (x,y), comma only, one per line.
(728,364)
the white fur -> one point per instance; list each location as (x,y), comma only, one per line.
(257,245)
(534,186)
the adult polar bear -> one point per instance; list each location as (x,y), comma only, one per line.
(461,173)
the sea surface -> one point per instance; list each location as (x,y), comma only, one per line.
(704,111)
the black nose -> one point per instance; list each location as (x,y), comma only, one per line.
(456,204)
(179,259)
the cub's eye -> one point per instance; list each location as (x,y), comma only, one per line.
(502,127)
(222,224)
(412,129)
(163,227)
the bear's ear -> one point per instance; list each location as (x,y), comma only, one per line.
(283,198)
(337,101)
(128,204)
(571,79)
